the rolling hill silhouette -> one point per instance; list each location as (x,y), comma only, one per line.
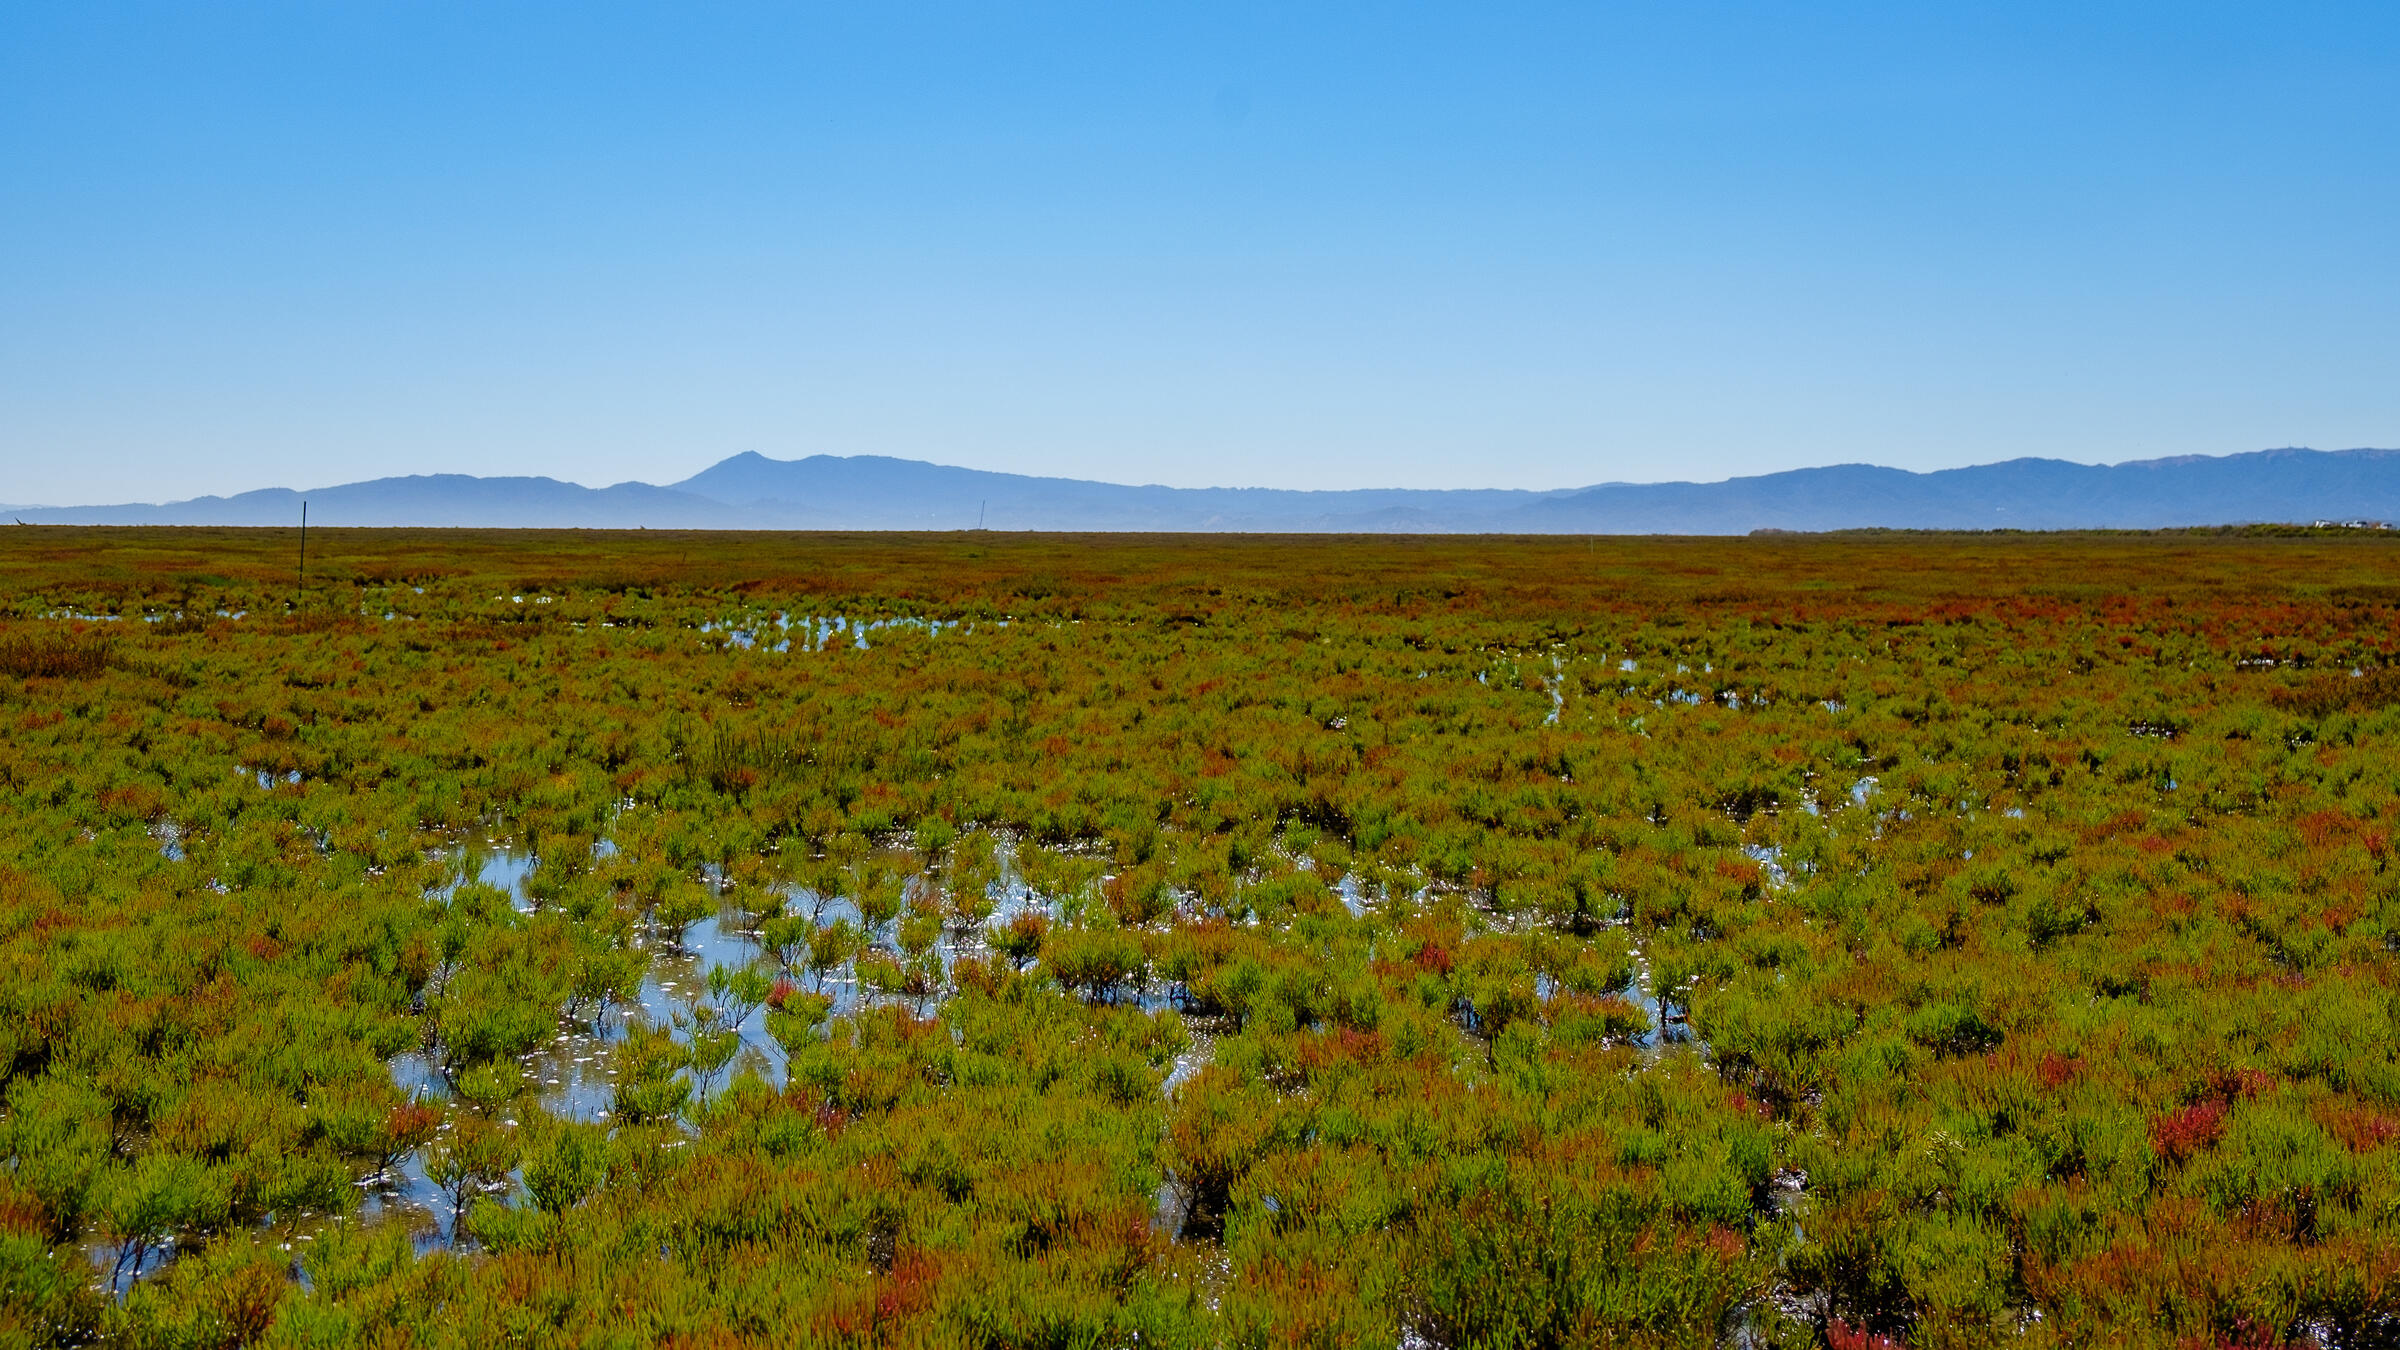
(872,492)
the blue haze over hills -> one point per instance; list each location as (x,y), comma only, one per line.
(868,492)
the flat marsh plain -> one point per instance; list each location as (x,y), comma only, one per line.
(597,939)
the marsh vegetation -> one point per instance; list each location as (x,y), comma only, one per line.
(721,940)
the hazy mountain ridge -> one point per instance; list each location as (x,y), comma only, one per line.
(875,492)
(872,492)
(2029,494)
(442,500)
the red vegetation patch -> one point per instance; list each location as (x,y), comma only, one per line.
(2178,1135)
(908,1290)
(20,1212)
(1840,1335)
(1345,1046)
(410,1125)
(2323,827)
(2359,1129)
(2123,822)
(133,801)
(2228,1085)
(1745,874)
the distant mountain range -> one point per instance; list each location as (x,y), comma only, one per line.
(871,492)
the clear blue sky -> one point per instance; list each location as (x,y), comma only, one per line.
(1287,244)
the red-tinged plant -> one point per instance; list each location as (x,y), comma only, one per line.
(133,801)
(1744,875)
(2178,1135)
(2359,1129)
(2230,1085)
(1344,1047)
(57,656)
(1021,938)
(908,1290)
(1840,1335)
(406,1128)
